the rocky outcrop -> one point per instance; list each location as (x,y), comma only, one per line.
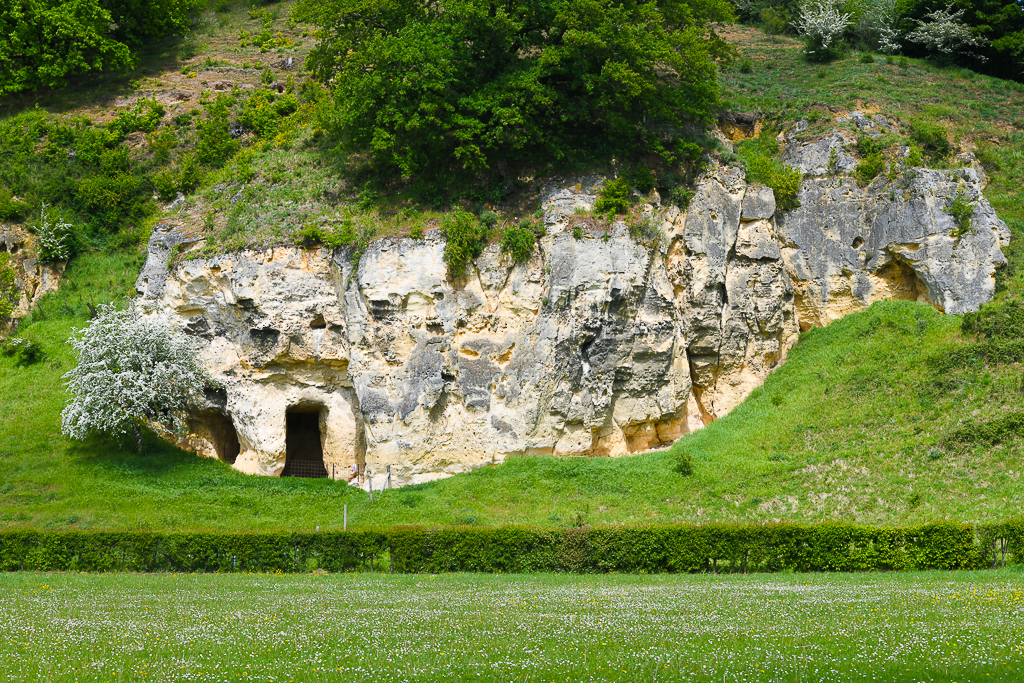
(32,278)
(598,345)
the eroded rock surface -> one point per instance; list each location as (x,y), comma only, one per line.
(595,346)
(32,277)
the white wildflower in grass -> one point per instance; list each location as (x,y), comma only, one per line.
(822,26)
(943,34)
(826,628)
(53,237)
(132,370)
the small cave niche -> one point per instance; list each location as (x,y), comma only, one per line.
(318,323)
(858,242)
(903,283)
(218,429)
(304,449)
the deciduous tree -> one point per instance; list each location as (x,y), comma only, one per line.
(132,370)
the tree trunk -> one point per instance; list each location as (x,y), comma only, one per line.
(137,433)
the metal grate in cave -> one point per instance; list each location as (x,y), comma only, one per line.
(307,469)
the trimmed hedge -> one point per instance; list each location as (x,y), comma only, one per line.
(711,548)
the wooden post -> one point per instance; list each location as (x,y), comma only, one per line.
(370,482)
(345,527)
(332,472)
(389,476)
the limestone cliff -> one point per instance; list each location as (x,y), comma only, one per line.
(597,345)
(33,278)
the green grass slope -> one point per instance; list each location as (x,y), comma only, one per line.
(860,424)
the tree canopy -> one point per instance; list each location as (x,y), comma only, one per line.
(473,84)
(44,42)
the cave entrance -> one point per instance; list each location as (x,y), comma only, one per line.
(224,438)
(304,450)
(216,429)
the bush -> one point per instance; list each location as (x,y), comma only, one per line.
(774,22)
(517,241)
(869,168)
(684,464)
(24,351)
(465,239)
(216,144)
(132,371)
(344,235)
(822,26)
(761,156)
(719,548)
(145,116)
(54,237)
(961,208)
(489,218)
(11,207)
(414,88)
(614,198)
(944,35)
(264,111)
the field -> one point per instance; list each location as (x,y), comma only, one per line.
(962,626)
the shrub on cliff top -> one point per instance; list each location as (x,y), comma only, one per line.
(465,239)
(761,156)
(518,240)
(8,288)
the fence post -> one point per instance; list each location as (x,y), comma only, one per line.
(345,524)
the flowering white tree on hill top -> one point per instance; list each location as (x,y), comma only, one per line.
(822,26)
(132,370)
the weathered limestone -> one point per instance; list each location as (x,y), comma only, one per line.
(595,346)
(32,277)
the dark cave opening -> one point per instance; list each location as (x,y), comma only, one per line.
(304,451)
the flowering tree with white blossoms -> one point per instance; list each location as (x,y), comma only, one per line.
(943,33)
(132,370)
(822,26)
(53,237)
(878,24)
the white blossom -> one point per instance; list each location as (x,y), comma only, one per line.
(942,32)
(878,24)
(132,370)
(53,235)
(822,24)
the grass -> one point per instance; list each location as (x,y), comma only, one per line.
(964,626)
(852,427)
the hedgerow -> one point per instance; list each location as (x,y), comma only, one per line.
(723,548)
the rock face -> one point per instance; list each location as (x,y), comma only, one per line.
(32,277)
(595,346)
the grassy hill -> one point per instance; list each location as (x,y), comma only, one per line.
(892,415)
